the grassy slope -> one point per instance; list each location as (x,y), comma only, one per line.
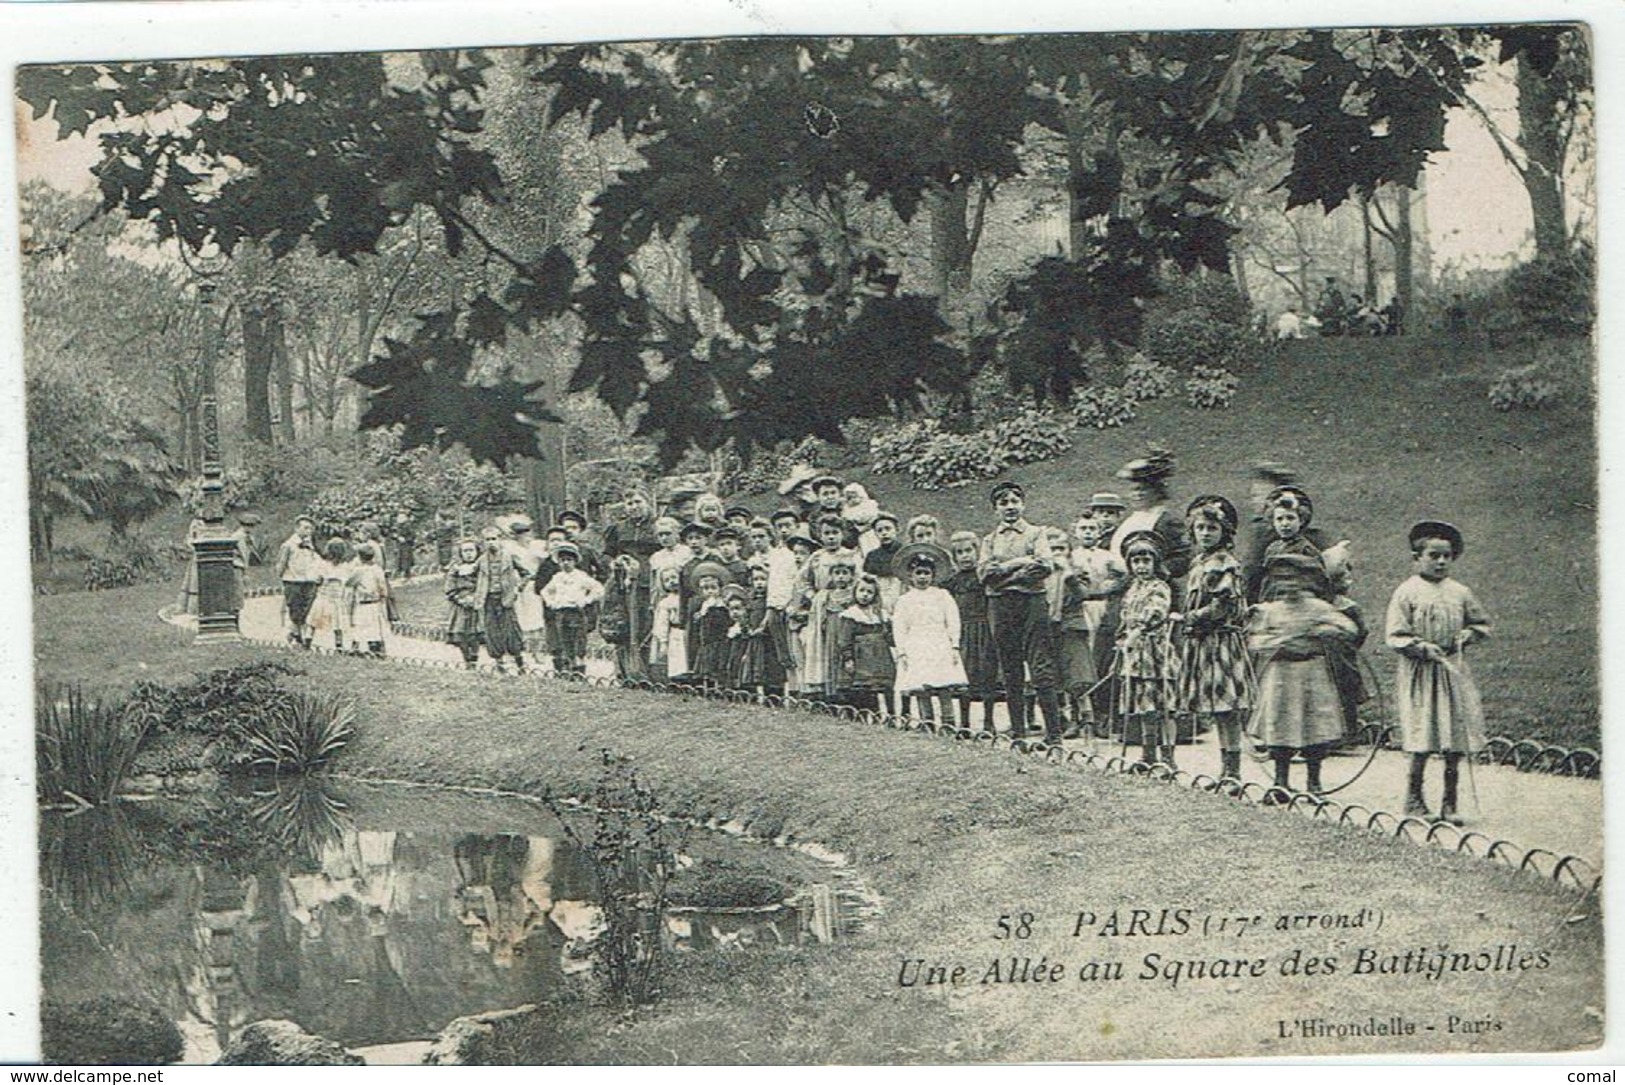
(952,838)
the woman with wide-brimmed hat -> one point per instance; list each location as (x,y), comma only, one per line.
(1151,510)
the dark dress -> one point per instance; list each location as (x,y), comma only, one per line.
(863,653)
(633,605)
(709,644)
(975,635)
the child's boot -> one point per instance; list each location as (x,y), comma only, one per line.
(1415,804)
(1230,764)
(1452,781)
(1282,790)
(1168,757)
(1313,758)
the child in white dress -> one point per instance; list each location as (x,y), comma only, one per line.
(925,625)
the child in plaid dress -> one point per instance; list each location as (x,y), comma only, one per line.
(1145,660)
(1215,671)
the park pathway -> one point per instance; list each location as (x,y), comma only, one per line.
(1561,814)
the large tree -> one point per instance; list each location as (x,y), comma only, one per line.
(750,168)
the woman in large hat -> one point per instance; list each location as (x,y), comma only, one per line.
(1148,494)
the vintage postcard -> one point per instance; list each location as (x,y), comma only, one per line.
(884,542)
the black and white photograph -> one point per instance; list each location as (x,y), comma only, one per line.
(893,545)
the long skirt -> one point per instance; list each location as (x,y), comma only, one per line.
(1297,704)
(1439,707)
(503,637)
(981,659)
(632,653)
(1077,660)
(369,622)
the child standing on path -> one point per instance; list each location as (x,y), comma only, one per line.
(863,649)
(1432,618)
(496,588)
(369,588)
(975,635)
(1067,595)
(1215,673)
(568,597)
(463,619)
(926,624)
(1144,657)
(1297,708)
(668,643)
(1014,564)
(332,606)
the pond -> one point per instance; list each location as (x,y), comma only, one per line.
(374,915)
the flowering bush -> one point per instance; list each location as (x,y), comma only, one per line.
(1528,387)
(1102,408)
(1031,436)
(1210,387)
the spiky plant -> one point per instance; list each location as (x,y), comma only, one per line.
(303,736)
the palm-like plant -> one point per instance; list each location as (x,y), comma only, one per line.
(302,736)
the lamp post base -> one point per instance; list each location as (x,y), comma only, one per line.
(219,589)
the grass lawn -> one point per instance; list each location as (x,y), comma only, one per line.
(953,839)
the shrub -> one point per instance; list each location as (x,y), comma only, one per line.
(302,734)
(632,850)
(1102,408)
(956,459)
(130,560)
(1186,339)
(1144,379)
(1556,293)
(1032,436)
(1210,387)
(83,746)
(108,1031)
(896,449)
(1528,387)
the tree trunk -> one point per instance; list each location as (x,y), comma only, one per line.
(1404,257)
(1238,274)
(1543,173)
(283,371)
(1370,260)
(950,244)
(258,358)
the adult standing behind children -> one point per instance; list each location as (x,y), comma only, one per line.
(632,538)
(299,567)
(1014,567)
(1151,511)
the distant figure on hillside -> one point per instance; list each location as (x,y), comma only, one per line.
(1331,310)
(1455,317)
(1393,317)
(1289,325)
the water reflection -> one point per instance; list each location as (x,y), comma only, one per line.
(369,916)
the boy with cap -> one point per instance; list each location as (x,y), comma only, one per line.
(567,596)
(725,548)
(1014,567)
(878,561)
(299,567)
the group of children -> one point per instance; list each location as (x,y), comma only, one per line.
(338,592)
(1143,625)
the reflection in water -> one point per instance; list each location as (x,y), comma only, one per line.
(367,918)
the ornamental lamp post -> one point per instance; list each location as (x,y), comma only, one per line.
(215,549)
